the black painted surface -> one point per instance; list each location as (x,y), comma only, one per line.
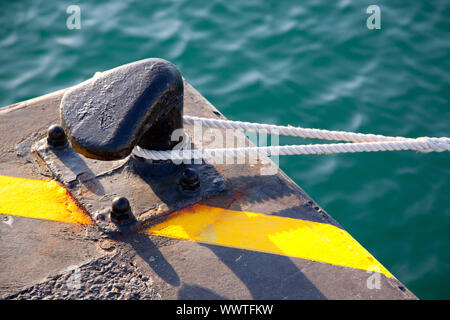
(136,104)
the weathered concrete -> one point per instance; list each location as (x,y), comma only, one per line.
(37,257)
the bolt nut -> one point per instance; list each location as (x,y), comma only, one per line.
(189,180)
(120,210)
(99,216)
(56,137)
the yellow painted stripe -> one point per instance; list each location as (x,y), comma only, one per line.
(266,233)
(46,199)
(40,199)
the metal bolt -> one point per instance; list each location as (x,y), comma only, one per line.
(120,210)
(56,137)
(189,180)
(99,216)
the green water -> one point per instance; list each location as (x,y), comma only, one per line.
(308,63)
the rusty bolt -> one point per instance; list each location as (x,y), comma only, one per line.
(56,137)
(189,180)
(120,210)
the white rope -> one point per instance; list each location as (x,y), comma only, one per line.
(420,144)
(288,130)
(361,142)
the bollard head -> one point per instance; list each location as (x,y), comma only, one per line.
(140,103)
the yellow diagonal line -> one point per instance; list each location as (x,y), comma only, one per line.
(46,199)
(266,233)
(40,199)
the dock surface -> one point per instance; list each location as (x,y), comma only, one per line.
(39,258)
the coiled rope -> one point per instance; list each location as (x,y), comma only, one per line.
(359,142)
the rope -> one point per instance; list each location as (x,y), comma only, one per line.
(361,142)
(288,130)
(421,144)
